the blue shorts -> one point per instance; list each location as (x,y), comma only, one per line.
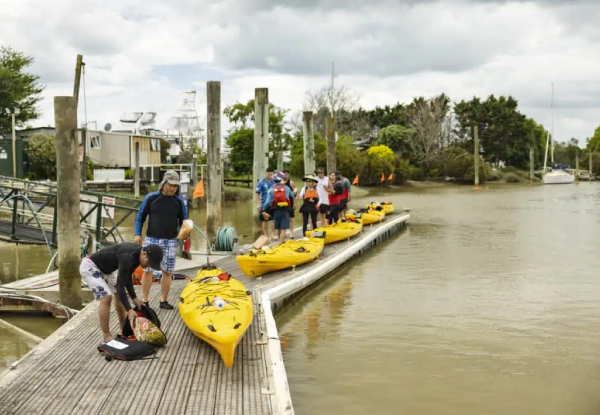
(169,247)
(281,217)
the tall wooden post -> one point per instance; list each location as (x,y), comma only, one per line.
(531,164)
(476,153)
(213,158)
(308,130)
(194,180)
(330,133)
(67,189)
(136,172)
(590,166)
(576,165)
(261,133)
(261,136)
(77,82)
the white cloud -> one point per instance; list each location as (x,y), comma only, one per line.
(141,54)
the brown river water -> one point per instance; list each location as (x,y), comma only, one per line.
(488,303)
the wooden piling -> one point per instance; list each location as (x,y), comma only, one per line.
(213,158)
(136,171)
(194,180)
(67,205)
(308,130)
(261,136)
(476,154)
(330,133)
(261,133)
(590,179)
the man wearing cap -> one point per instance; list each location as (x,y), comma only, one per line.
(167,212)
(346,192)
(109,270)
(279,199)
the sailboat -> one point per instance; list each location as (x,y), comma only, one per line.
(558,174)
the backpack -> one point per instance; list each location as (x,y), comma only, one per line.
(146,312)
(279,196)
(122,349)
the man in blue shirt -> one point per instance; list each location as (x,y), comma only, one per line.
(166,212)
(262,188)
(279,199)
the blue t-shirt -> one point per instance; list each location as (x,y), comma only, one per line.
(262,188)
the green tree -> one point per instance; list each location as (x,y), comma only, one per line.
(241,136)
(19,90)
(593,143)
(398,138)
(241,157)
(503,132)
(41,150)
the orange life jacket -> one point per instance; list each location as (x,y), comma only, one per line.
(311,194)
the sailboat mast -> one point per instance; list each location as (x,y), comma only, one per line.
(552,125)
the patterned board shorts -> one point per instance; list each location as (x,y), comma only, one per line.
(169,247)
(100,283)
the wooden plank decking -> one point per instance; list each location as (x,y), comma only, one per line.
(67,375)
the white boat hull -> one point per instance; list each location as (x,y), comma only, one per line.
(558,177)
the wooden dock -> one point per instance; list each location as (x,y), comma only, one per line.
(65,374)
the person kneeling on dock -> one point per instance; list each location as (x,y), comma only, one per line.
(109,271)
(278,200)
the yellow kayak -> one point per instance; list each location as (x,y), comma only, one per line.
(368,216)
(385,206)
(295,252)
(218,310)
(339,231)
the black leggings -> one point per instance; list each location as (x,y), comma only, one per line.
(313,217)
(334,213)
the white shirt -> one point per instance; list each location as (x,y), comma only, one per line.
(323,195)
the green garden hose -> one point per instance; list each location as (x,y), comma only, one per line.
(226,239)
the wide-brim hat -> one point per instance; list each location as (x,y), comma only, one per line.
(309,177)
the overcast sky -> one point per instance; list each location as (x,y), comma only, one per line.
(140,55)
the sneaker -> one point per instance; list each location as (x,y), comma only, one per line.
(165,305)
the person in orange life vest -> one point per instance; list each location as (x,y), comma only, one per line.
(311,202)
(278,200)
(335,194)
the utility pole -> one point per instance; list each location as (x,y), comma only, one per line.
(330,133)
(213,158)
(476,154)
(67,205)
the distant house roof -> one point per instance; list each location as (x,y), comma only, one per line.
(25,133)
